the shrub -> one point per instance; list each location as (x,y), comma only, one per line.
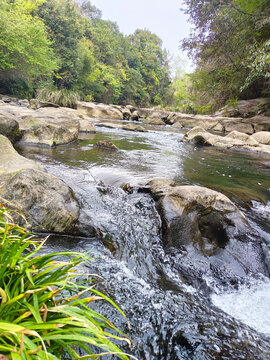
(64,97)
(44,303)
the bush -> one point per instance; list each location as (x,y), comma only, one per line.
(44,303)
(62,97)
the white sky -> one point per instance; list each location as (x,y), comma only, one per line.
(162,17)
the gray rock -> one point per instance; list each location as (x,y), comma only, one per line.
(209,230)
(46,202)
(48,132)
(156,118)
(11,161)
(246,108)
(134,116)
(238,125)
(262,137)
(99,110)
(86,126)
(260,123)
(9,127)
(126,113)
(134,127)
(234,141)
(248,140)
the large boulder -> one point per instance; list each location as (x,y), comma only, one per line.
(246,108)
(102,111)
(262,137)
(237,125)
(245,138)
(134,116)
(260,123)
(11,161)
(86,126)
(209,231)
(9,127)
(144,112)
(232,141)
(47,132)
(47,203)
(45,126)
(156,118)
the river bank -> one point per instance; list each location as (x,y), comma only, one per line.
(165,291)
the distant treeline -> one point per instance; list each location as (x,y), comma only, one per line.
(65,45)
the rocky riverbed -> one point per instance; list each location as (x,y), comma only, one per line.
(173,228)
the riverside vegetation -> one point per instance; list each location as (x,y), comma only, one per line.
(61,51)
(44,298)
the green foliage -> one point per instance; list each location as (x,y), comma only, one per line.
(68,42)
(64,21)
(45,302)
(64,97)
(25,51)
(230,46)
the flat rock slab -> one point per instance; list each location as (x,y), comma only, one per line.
(11,161)
(102,111)
(45,126)
(129,126)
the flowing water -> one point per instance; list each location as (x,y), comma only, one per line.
(169,318)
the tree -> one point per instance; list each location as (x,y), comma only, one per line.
(25,51)
(153,64)
(225,33)
(65,24)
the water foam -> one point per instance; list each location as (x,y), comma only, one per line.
(251,305)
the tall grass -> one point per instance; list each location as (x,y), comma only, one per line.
(45,303)
(64,97)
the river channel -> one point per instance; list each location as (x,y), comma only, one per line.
(169,318)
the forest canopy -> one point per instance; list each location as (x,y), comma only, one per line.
(65,44)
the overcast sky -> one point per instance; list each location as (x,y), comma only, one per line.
(162,17)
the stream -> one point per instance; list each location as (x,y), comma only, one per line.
(169,318)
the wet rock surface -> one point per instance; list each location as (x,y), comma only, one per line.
(144,274)
(207,234)
(107,145)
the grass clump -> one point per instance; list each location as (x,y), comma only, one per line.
(44,303)
(64,97)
